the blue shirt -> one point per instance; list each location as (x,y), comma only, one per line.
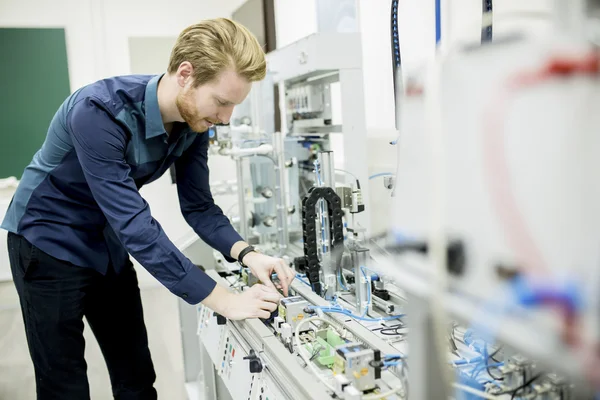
(79,201)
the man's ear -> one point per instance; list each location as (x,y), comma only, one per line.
(185,73)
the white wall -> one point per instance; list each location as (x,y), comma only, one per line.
(97,31)
(294,20)
(153,18)
(73,15)
(374,23)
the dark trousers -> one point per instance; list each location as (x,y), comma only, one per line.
(55,296)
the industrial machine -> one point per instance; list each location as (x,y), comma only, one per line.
(486,284)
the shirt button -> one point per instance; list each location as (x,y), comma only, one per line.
(185,295)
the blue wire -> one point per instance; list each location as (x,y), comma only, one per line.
(335,303)
(300,278)
(464,361)
(482,367)
(381,174)
(393,356)
(375,273)
(391,363)
(438,21)
(358,317)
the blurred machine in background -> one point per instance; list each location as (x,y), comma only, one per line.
(486,283)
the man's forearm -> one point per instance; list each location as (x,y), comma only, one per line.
(219,299)
(237,248)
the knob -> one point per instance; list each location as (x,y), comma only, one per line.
(221,320)
(267,192)
(256,365)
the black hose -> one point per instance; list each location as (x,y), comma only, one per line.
(395,41)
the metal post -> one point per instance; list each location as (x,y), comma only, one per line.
(424,365)
(243,230)
(255,106)
(282,217)
(326,161)
(362,284)
(355,134)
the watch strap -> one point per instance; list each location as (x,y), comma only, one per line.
(243,253)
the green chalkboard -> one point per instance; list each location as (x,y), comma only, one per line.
(34,81)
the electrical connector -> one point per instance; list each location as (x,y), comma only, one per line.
(286,331)
(291,309)
(277,323)
(354,361)
(341,382)
(352,393)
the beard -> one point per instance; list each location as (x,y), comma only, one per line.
(187,110)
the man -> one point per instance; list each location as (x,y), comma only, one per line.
(77,212)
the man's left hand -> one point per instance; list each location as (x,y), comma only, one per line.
(263,266)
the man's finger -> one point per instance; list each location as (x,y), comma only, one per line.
(267,305)
(269,294)
(291,273)
(283,277)
(262,314)
(265,279)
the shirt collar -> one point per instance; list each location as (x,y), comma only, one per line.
(154,122)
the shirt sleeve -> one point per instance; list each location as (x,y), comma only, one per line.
(197,204)
(100,144)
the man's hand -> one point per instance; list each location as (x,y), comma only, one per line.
(257,302)
(263,266)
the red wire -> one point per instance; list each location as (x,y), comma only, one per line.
(496,164)
(498,179)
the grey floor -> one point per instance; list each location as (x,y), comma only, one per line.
(162,321)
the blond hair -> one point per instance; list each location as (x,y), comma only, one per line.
(213,45)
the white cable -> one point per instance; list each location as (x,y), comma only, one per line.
(304,357)
(346,172)
(474,391)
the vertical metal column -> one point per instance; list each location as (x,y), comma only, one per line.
(362,284)
(355,135)
(255,106)
(425,378)
(243,230)
(282,215)
(326,160)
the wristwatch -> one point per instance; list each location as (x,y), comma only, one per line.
(243,253)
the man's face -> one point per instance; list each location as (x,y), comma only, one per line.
(212,102)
